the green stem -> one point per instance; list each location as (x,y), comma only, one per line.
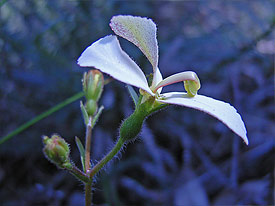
(107,158)
(88,193)
(88,145)
(79,174)
(41,116)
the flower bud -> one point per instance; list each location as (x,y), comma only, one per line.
(91,107)
(93,83)
(57,151)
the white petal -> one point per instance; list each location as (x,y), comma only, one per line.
(107,56)
(180,77)
(221,110)
(141,32)
(156,79)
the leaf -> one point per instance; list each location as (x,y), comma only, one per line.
(218,109)
(107,56)
(133,94)
(81,151)
(84,113)
(97,116)
(41,116)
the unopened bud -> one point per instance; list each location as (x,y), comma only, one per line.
(91,107)
(93,83)
(57,151)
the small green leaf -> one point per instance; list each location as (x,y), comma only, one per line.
(84,113)
(81,151)
(133,94)
(94,120)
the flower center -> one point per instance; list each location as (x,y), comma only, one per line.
(190,79)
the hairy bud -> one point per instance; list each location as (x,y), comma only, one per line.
(57,151)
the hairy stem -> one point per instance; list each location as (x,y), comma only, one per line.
(88,146)
(79,174)
(88,193)
(107,158)
(88,185)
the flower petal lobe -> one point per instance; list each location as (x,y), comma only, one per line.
(157,77)
(141,32)
(218,109)
(107,56)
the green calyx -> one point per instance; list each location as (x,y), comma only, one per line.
(132,126)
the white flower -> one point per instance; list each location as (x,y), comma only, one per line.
(107,56)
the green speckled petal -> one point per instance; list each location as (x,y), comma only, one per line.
(141,32)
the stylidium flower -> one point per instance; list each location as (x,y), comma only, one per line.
(107,56)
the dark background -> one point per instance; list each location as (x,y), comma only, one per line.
(183,156)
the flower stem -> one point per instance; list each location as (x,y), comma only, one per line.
(88,193)
(88,184)
(79,174)
(107,158)
(88,146)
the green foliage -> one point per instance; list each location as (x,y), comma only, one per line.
(133,94)
(81,151)
(84,113)
(41,116)
(94,120)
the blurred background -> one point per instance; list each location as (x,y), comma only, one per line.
(182,157)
